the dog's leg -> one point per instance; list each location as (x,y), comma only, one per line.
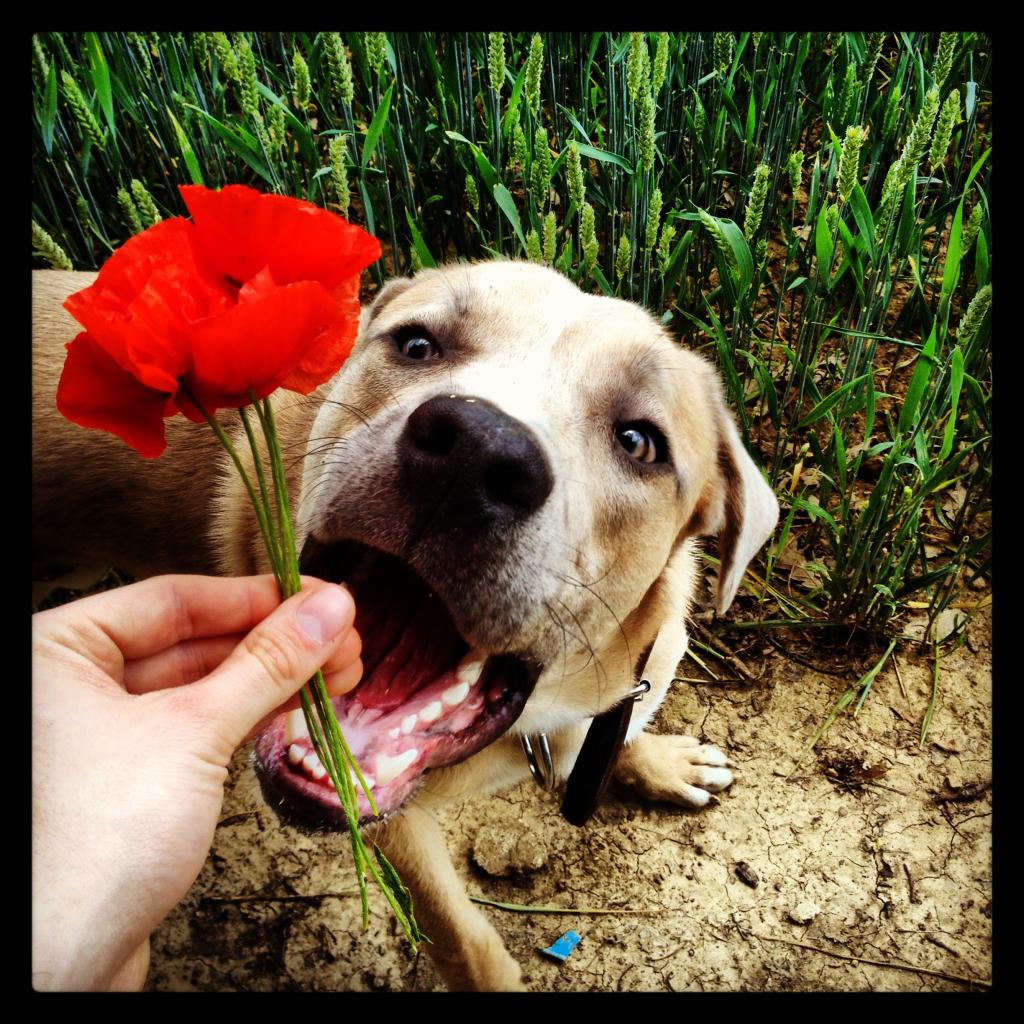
(679,769)
(469,953)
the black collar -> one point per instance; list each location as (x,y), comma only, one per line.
(594,764)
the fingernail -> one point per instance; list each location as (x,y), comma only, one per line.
(324,614)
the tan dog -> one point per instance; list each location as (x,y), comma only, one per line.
(510,474)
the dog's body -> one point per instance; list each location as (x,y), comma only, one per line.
(541,458)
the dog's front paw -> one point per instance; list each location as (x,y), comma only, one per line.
(676,768)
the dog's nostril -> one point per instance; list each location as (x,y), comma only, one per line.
(434,434)
(524,482)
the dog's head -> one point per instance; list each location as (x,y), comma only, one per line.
(502,473)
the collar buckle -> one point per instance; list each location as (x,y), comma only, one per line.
(593,769)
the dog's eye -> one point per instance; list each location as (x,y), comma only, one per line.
(642,442)
(415,343)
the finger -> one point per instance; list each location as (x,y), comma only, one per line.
(344,679)
(273,661)
(190,660)
(341,661)
(147,617)
(342,672)
(179,665)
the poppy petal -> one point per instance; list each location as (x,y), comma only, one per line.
(94,391)
(141,304)
(325,356)
(277,330)
(239,231)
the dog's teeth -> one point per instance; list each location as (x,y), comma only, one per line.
(432,712)
(469,671)
(312,765)
(455,694)
(395,733)
(296,753)
(370,781)
(389,768)
(295,726)
(409,723)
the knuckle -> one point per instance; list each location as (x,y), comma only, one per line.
(275,655)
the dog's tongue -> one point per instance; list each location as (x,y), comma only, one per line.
(426,699)
(407,644)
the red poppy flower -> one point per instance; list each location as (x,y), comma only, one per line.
(254,293)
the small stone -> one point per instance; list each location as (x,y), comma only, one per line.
(945,624)
(746,874)
(500,851)
(804,913)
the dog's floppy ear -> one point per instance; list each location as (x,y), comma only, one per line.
(742,512)
(390,291)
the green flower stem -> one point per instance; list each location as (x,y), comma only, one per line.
(261,513)
(290,565)
(328,741)
(321,721)
(270,540)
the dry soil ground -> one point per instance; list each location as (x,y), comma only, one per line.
(868,867)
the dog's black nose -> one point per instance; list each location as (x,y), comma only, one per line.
(470,464)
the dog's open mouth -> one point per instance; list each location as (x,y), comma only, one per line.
(426,698)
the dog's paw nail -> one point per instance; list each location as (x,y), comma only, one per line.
(713,756)
(714,779)
(693,796)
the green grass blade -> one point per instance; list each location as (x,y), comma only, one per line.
(822,408)
(417,240)
(865,222)
(932,701)
(240,143)
(741,251)
(602,282)
(187,151)
(981,262)
(101,78)
(817,512)
(602,156)
(376,126)
(507,204)
(956,380)
(918,383)
(512,111)
(844,702)
(978,164)
(823,250)
(951,272)
(49,116)
(865,682)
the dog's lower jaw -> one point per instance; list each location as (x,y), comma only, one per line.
(470,955)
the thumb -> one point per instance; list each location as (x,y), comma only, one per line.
(275,660)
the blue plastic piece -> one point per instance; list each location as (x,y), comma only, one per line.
(560,949)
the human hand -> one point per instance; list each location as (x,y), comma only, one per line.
(129,762)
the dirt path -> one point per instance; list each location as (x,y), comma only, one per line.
(852,845)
